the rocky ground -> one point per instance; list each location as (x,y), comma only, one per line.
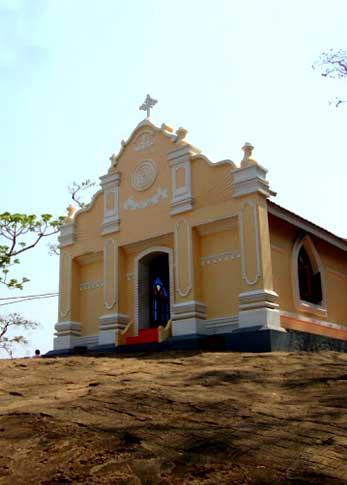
(175,418)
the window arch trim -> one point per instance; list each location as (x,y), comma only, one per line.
(304,306)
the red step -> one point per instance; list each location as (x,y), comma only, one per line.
(146,335)
(146,332)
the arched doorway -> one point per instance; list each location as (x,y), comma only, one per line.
(153,291)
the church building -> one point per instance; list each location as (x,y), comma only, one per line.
(175,251)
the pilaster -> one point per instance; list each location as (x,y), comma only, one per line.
(189,312)
(258,305)
(112,319)
(181,177)
(110,186)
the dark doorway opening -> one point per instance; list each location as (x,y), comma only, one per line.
(159,290)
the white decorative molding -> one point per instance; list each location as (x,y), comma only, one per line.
(181,291)
(188,309)
(109,323)
(250,179)
(110,243)
(306,226)
(67,235)
(219,257)
(65,276)
(88,341)
(90,285)
(66,335)
(138,287)
(259,308)
(130,276)
(68,328)
(221,325)
(144,175)
(132,204)
(143,124)
(144,140)
(188,318)
(179,159)
(317,266)
(322,323)
(110,186)
(248,280)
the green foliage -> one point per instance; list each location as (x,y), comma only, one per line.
(19,233)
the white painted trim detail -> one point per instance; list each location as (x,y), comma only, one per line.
(221,325)
(91,285)
(88,341)
(248,280)
(317,266)
(144,175)
(144,140)
(322,323)
(182,200)
(110,186)
(67,235)
(259,308)
(63,311)
(68,328)
(188,309)
(250,179)
(186,291)
(137,259)
(108,324)
(219,257)
(113,242)
(132,204)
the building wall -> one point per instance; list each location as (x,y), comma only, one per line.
(334,275)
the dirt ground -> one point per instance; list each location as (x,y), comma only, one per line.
(175,418)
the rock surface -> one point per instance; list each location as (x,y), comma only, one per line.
(175,418)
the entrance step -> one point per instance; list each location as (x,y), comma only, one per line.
(146,335)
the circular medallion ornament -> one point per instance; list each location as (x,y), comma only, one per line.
(144,175)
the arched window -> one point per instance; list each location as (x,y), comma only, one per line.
(308,277)
(310,286)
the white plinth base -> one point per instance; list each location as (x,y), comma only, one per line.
(65,342)
(107,337)
(267,318)
(189,326)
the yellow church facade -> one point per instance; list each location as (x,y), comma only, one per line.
(175,248)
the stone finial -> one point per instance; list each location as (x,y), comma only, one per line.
(181,133)
(113,160)
(247,158)
(71,210)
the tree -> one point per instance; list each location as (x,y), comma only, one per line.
(75,191)
(14,322)
(19,233)
(333,64)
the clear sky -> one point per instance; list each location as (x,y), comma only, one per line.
(73,74)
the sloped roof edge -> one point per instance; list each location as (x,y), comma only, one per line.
(298,221)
